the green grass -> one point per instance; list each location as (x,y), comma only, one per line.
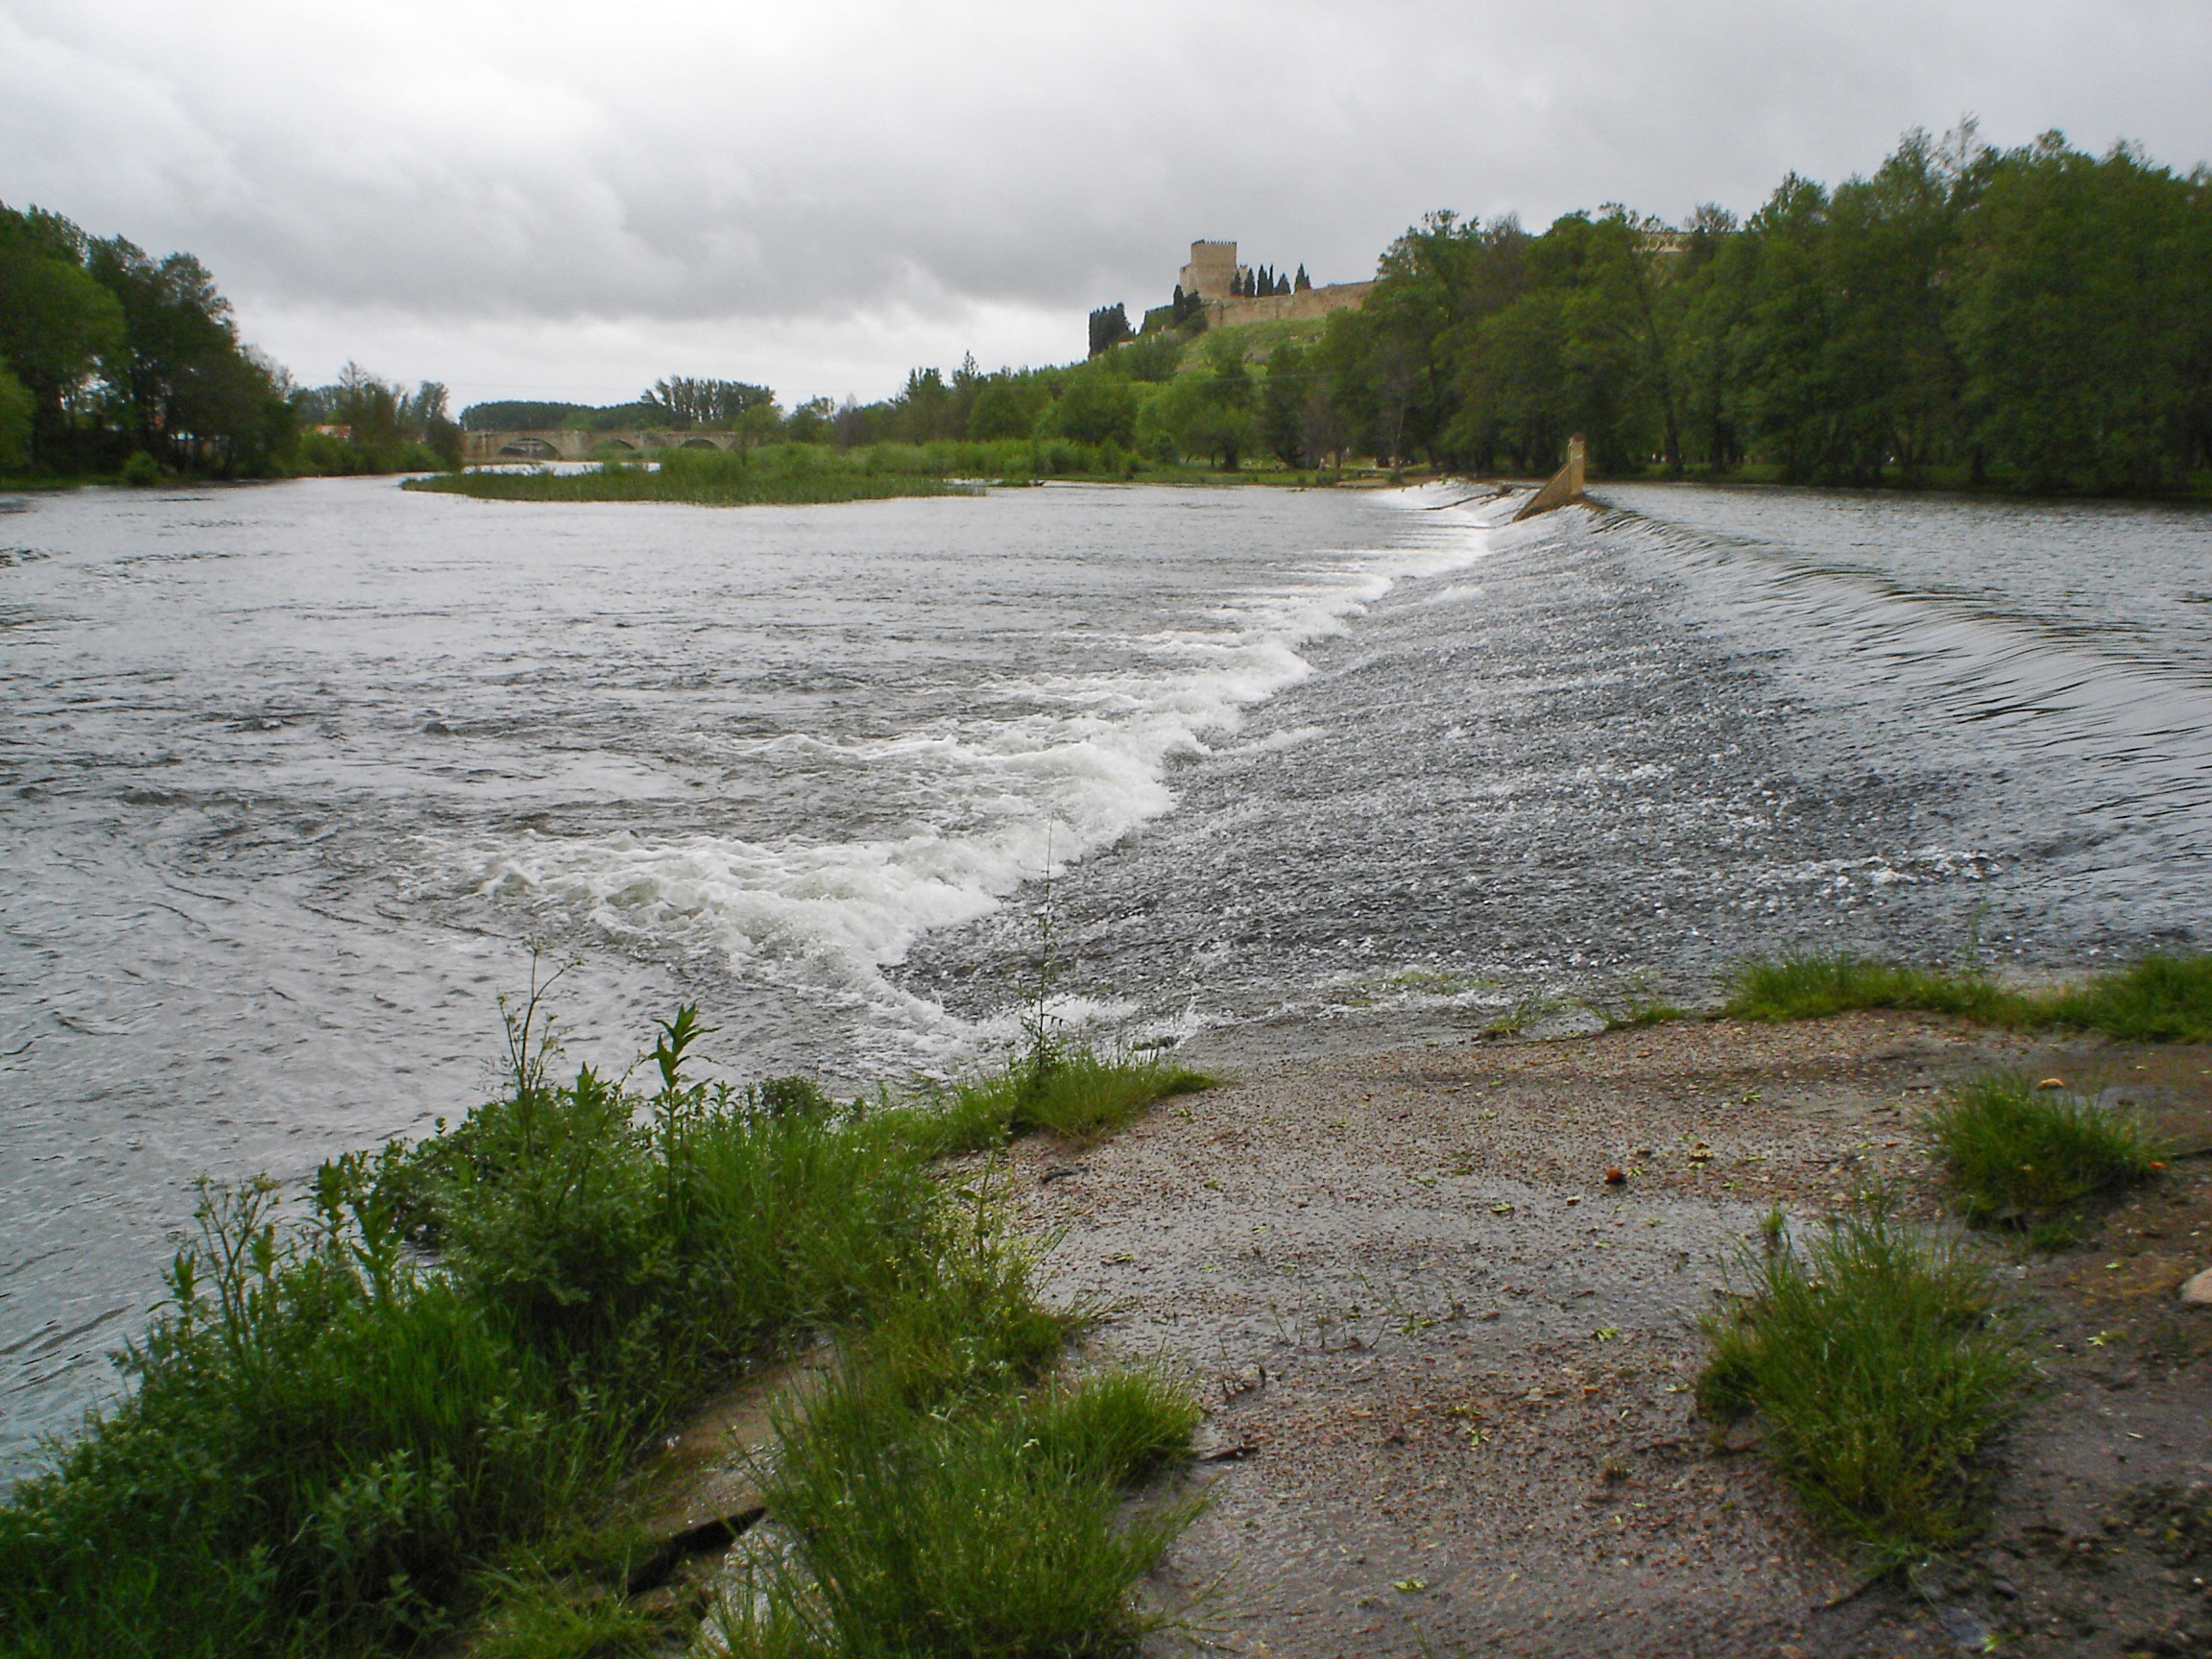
(2022,1155)
(783,474)
(941,1496)
(1882,1368)
(2155,999)
(2158,1000)
(398,1409)
(794,474)
(1074,1091)
(1654,1012)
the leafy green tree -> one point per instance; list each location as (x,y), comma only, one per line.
(810,423)
(1109,327)
(1717,263)
(519,416)
(16,412)
(1208,412)
(925,408)
(1095,409)
(1007,405)
(57,325)
(183,386)
(683,402)
(1282,404)
(2085,317)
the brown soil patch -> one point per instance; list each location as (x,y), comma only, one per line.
(1449,1363)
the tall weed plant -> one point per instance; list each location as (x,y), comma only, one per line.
(339,1421)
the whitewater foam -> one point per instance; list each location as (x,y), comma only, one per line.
(989,803)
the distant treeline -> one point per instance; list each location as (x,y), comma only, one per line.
(114,362)
(2036,317)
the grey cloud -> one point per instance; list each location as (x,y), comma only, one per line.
(788,165)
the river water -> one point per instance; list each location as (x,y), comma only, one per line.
(292,777)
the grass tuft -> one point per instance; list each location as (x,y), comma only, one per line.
(2020,1155)
(1814,987)
(1074,1091)
(941,1496)
(2157,999)
(1882,1367)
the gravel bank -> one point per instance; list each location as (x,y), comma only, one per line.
(1449,1364)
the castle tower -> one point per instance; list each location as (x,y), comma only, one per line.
(1212,274)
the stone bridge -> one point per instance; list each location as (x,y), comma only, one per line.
(568,443)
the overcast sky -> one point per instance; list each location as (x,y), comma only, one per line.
(554,200)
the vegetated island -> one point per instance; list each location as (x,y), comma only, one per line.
(1427,1338)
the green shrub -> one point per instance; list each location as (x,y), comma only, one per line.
(141,469)
(1882,1367)
(330,1440)
(358,1428)
(2021,1155)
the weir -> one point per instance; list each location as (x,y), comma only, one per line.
(1563,488)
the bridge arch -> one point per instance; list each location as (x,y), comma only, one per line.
(530,448)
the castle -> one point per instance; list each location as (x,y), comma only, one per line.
(1214,277)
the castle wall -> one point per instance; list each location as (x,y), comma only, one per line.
(1301,306)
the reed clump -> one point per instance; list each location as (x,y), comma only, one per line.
(2157,999)
(398,1409)
(1882,1366)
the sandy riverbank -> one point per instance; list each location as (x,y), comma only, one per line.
(1448,1366)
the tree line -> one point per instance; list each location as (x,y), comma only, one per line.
(114,361)
(2038,317)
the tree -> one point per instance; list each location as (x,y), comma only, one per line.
(924,409)
(16,412)
(1282,404)
(179,383)
(1301,282)
(1007,405)
(810,423)
(1096,409)
(723,404)
(56,325)
(1109,327)
(1204,412)
(2085,317)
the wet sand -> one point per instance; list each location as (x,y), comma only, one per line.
(1449,1365)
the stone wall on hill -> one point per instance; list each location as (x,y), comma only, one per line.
(1307,303)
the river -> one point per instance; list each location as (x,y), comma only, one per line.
(293,777)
